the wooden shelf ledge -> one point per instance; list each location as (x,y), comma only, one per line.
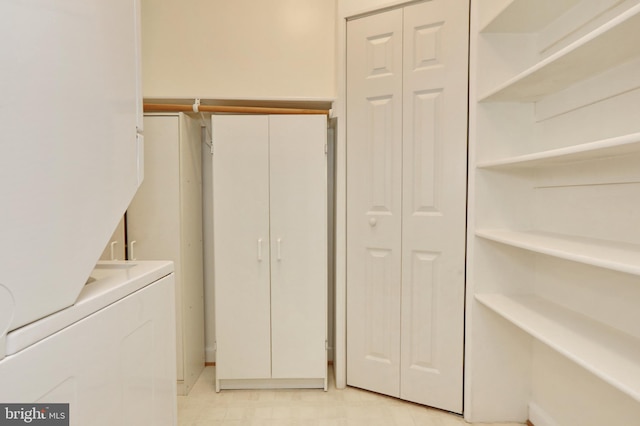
(231,109)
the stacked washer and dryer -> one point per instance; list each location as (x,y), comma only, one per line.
(100,337)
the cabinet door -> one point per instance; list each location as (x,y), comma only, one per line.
(191,252)
(374,189)
(153,217)
(434,202)
(298,246)
(241,239)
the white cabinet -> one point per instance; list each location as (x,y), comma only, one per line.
(553,241)
(270,239)
(406,201)
(164,222)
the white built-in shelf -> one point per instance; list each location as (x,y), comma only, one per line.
(622,257)
(603,48)
(610,354)
(606,148)
(527,16)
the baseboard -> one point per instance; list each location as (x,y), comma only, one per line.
(529,423)
(539,417)
(181,388)
(320,383)
(209,355)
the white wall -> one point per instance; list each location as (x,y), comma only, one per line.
(240,49)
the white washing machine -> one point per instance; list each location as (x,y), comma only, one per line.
(100,338)
(110,356)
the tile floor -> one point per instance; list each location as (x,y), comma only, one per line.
(307,407)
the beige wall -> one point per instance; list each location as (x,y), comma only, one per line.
(256,49)
(348,8)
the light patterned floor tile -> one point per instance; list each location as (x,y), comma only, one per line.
(305,407)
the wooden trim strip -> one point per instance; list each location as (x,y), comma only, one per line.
(213,364)
(231,109)
(529,423)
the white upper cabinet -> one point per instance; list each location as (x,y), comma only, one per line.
(68,155)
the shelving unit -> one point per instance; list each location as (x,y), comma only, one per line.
(554,197)
(612,356)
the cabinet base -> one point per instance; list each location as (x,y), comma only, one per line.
(320,383)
